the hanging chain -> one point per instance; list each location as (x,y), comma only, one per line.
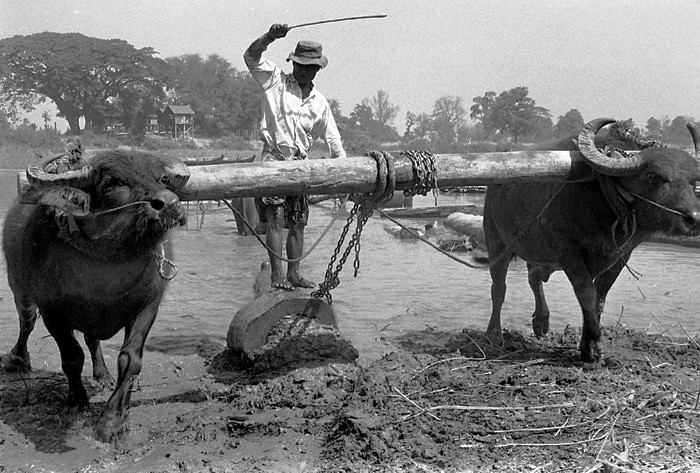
(363,210)
(424,180)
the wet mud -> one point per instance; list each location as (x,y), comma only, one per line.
(441,401)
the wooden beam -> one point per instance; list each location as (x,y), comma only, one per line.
(359,174)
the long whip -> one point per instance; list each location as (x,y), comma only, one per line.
(335,20)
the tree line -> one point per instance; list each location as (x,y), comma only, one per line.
(90,77)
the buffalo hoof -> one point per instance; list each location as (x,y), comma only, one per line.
(590,353)
(12,363)
(78,400)
(101,379)
(540,324)
(103,382)
(495,337)
(110,428)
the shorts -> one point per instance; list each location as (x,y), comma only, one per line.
(296,208)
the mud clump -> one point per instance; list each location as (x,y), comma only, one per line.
(296,340)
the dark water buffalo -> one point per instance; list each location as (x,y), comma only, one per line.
(91,257)
(588,229)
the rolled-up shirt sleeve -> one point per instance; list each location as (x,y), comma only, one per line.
(332,135)
(261,69)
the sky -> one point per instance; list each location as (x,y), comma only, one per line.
(621,59)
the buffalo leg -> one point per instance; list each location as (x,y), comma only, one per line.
(587,296)
(18,358)
(115,413)
(604,282)
(536,275)
(72,360)
(498,270)
(100,373)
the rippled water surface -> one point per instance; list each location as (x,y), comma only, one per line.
(402,286)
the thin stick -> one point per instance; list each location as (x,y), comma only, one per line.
(688,335)
(503,408)
(500,445)
(416,405)
(335,20)
(566,425)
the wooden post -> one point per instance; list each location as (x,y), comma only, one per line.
(359,174)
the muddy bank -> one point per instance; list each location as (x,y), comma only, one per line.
(441,401)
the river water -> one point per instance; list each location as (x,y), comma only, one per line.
(402,286)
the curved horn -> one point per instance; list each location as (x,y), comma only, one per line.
(695,133)
(610,166)
(37,176)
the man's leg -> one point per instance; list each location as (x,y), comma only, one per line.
(295,248)
(273,238)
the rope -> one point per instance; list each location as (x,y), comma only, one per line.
(267,247)
(162,261)
(425,240)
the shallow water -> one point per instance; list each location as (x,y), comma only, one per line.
(401,286)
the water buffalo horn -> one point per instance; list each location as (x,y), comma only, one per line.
(178,171)
(38,177)
(610,166)
(695,133)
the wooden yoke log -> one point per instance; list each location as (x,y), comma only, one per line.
(359,174)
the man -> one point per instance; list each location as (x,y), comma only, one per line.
(294,114)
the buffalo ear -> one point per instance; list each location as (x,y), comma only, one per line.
(66,201)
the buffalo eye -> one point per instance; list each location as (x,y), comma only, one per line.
(165,180)
(656,180)
(109,182)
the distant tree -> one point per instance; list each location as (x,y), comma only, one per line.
(569,123)
(249,96)
(384,111)
(677,132)
(653,126)
(544,129)
(82,75)
(516,114)
(481,112)
(448,116)
(222,98)
(362,116)
(410,122)
(46,116)
(424,127)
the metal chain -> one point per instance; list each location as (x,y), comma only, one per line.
(363,211)
(424,173)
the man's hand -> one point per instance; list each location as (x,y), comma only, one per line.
(278,31)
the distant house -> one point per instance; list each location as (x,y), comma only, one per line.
(178,121)
(109,122)
(153,126)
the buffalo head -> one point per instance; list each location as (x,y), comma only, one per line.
(658,181)
(118,204)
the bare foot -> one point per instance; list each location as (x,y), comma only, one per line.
(301,282)
(282,284)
